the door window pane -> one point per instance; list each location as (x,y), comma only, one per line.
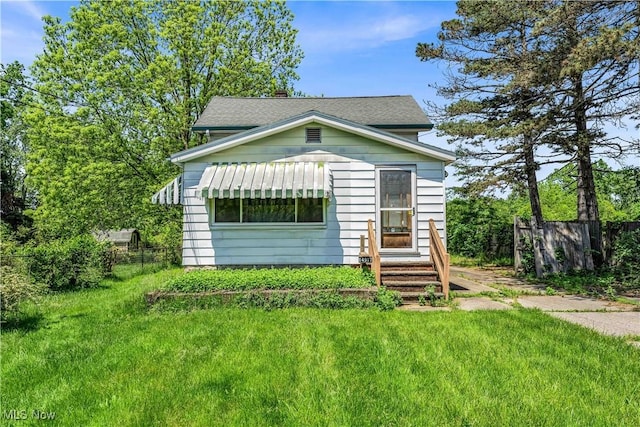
(395,189)
(396,229)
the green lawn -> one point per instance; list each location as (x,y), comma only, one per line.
(98,357)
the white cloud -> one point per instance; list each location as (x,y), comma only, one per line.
(397,28)
(20,45)
(26,8)
(21,30)
(33,10)
(362,35)
(353,33)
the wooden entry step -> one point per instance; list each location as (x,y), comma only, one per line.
(408,265)
(410,279)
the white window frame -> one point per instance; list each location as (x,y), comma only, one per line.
(213,223)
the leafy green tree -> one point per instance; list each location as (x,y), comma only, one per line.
(495,94)
(621,188)
(617,194)
(479,227)
(119,86)
(574,69)
(16,196)
(592,58)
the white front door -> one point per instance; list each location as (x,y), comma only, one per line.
(396,213)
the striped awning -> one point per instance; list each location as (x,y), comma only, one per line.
(265,180)
(170,193)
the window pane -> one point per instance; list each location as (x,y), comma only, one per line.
(310,210)
(227,210)
(269,210)
(395,189)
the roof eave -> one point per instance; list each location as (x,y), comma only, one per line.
(305,118)
(200,128)
(416,127)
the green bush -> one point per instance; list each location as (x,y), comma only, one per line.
(387,300)
(325,299)
(80,262)
(15,288)
(626,257)
(271,278)
(329,298)
(479,228)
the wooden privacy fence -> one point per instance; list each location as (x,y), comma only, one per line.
(559,246)
(552,247)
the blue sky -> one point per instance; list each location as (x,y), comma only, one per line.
(351,48)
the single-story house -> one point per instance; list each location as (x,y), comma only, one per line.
(294,181)
(124,240)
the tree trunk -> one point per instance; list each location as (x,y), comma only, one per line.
(587,198)
(532,181)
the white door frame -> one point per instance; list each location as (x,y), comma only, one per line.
(413,210)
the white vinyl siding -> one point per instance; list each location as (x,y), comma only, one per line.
(352,161)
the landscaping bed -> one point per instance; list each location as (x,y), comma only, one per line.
(266,298)
(271,278)
(319,287)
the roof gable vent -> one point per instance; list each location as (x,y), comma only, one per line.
(313,135)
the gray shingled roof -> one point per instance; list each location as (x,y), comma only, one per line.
(379,111)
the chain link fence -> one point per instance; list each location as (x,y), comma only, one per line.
(144,260)
(121,263)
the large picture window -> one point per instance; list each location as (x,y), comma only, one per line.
(305,211)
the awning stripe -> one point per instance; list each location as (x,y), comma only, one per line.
(265,180)
(169,194)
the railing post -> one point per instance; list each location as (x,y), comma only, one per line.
(445,282)
(373,251)
(439,257)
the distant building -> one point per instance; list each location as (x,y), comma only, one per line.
(124,240)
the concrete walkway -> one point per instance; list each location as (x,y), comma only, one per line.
(606,317)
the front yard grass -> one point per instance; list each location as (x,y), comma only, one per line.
(99,357)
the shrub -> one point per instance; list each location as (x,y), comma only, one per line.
(480,228)
(80,262)
(330,299)
(387,300)
(527,256)
(626,257)
(15,288)
(325,299)
(271,278)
